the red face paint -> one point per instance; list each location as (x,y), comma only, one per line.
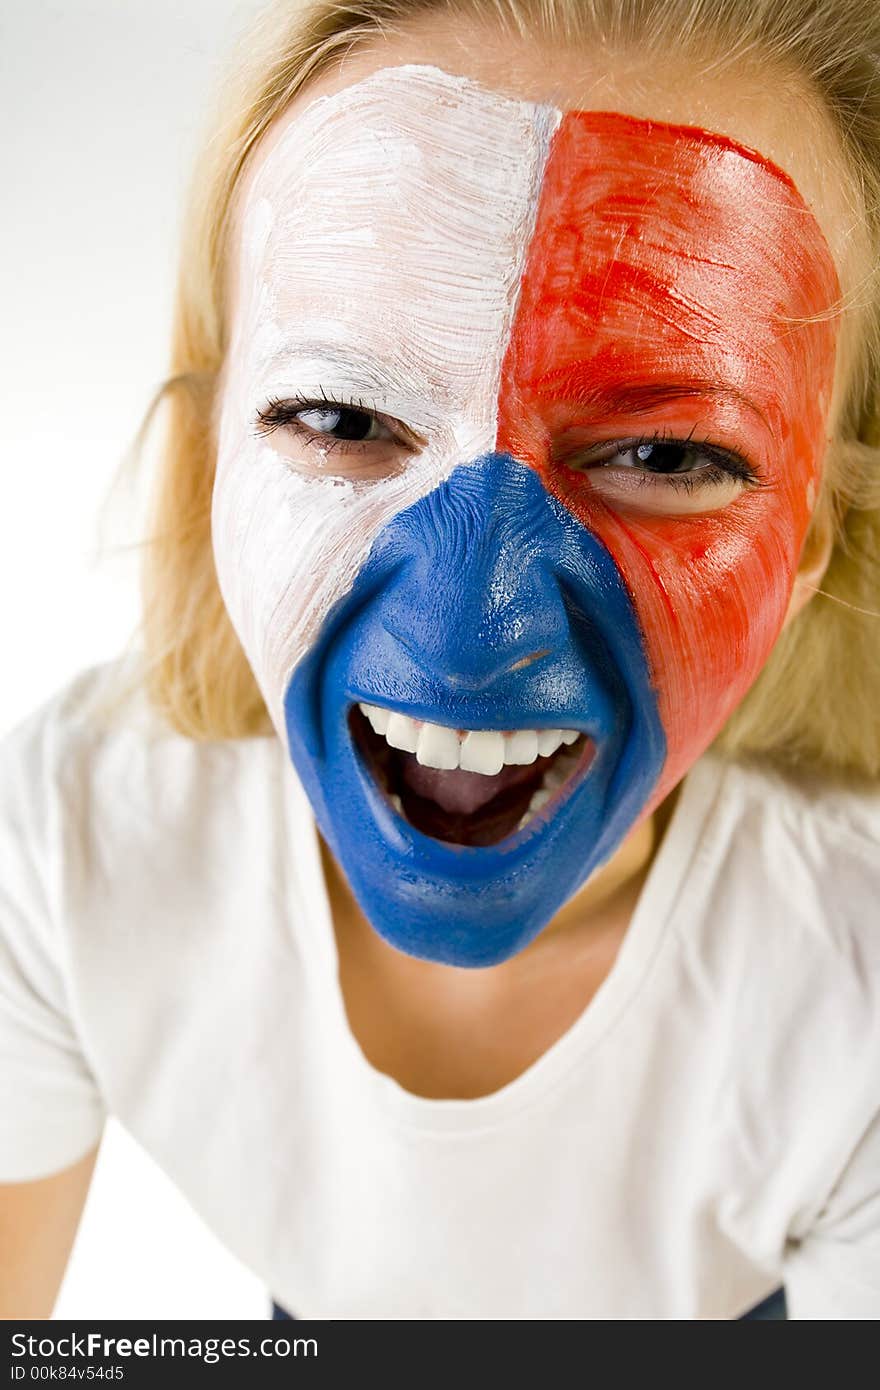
(664,284)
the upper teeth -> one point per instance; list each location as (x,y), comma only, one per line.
(473,750)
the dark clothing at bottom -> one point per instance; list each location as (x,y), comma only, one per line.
(771,1307)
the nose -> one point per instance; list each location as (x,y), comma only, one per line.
(477,597)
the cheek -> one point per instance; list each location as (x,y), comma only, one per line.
(710,591)
(710,596)
(287,546)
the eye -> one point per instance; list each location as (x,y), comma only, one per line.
(345,428)
(671,476)
(338,422)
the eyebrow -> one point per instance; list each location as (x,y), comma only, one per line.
(333,356)
(579,385)
(389,390)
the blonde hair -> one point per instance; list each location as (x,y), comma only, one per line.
(817,699)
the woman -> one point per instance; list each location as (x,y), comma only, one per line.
(483,859)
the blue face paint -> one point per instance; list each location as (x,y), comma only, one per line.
(457,590)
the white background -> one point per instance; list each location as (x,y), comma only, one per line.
(103,102)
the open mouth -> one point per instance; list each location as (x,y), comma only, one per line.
(468,786)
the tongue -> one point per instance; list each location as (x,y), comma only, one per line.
(465,792)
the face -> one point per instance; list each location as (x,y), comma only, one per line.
(523,421)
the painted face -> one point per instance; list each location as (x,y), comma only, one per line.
(520,439)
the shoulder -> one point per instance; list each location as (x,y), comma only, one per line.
(138,855)
(841,806)
(93,779)
(781,900)
(789,876)
(778,932)
(93,711)
(792,855)
(100,720)
(811,839)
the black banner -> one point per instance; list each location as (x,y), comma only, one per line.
(107,1353)
(103,1352)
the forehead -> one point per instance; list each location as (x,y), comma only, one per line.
(409,186)
(399,214)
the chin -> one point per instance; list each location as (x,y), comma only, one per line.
(475,726)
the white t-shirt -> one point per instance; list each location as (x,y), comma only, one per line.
(705,1131)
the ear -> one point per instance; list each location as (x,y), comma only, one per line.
(813,562)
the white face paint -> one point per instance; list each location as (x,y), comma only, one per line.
(383,242)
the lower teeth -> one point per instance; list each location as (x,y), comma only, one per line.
(551,782)
(537,803)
